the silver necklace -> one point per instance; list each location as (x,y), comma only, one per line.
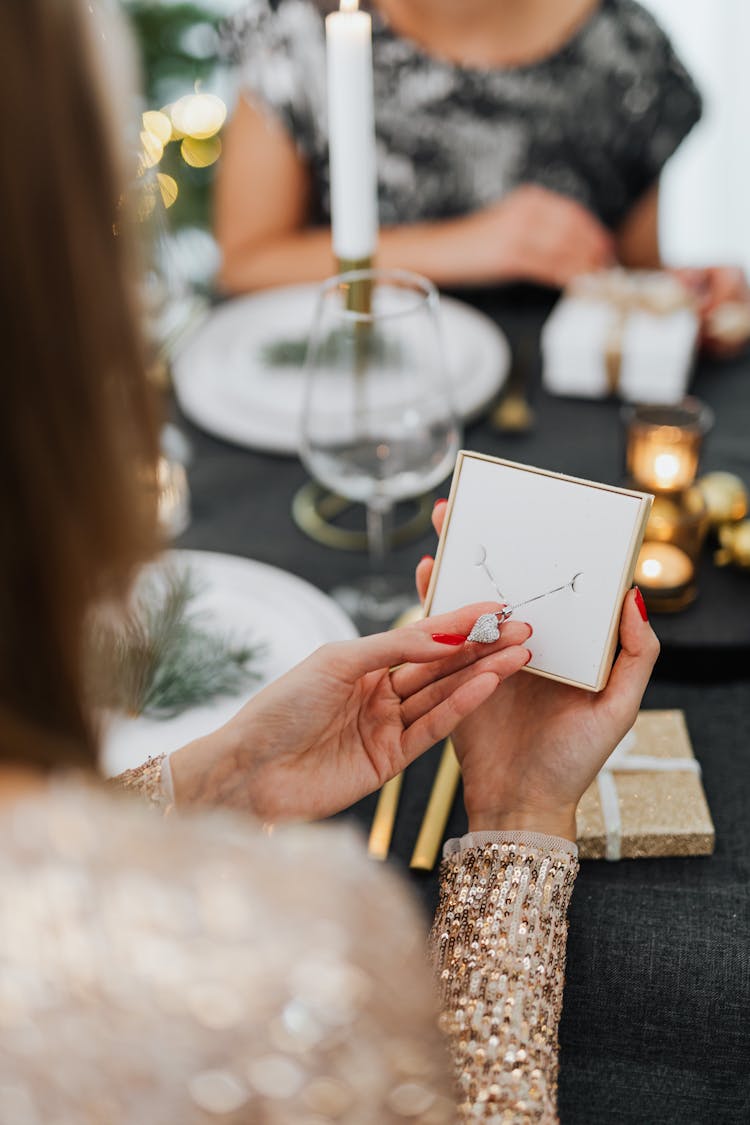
(486,628)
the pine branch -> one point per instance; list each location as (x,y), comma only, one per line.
(161,658)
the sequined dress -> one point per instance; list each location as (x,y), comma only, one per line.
(595,120)
(192,969)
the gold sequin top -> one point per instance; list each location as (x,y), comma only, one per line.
(193,969)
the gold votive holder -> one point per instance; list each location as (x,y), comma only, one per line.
(663,448)
(664,443)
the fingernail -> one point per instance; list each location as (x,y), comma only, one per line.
(441,500)
(528,659)
(449,638)
(641,604)
(426,557)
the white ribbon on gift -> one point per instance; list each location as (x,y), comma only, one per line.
(622,761)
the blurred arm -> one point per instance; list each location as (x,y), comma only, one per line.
(638,237)
(263,207)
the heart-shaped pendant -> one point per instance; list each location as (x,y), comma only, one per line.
(485,630)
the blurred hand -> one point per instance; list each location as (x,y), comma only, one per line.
(530,752)
(347,719)
(536,235)
(722,294)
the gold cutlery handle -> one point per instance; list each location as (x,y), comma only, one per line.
(384,819)
(438,810)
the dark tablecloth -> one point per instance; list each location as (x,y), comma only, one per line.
(656,1022)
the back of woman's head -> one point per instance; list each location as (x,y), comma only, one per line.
(77,437)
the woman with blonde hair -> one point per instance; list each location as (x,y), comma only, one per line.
(189,968)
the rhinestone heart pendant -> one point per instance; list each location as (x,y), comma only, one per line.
(485,630)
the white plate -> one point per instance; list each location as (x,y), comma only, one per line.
(256,603)
(223,385)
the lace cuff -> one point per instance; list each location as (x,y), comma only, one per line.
(537,840)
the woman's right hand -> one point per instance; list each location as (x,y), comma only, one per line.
(533,234)
(532,749)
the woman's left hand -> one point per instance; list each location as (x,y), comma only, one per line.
(347,719)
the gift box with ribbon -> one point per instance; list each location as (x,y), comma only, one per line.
(626,332)
(648,799)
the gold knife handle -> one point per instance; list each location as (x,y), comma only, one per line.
(384,819)
(438,810)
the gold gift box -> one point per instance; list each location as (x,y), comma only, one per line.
(662,813)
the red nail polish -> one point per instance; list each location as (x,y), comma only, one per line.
(449,638)
(426,557)
(441,500)
(528,660)
(641,604)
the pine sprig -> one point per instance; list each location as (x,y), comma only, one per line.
(162,658)
(291,351)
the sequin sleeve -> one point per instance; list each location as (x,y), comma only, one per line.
(152,780)
(279,50)
(498,943)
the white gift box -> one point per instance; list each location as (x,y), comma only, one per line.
(535,531)
(630,333)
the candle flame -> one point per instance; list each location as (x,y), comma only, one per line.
(652,568)
(666,467)
(349,5)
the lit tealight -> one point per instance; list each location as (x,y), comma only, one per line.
(662,567)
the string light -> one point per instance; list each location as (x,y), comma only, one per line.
(200,153)
(168,188)
(158,125)
(199,116)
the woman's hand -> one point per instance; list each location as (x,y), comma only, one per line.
(347,719)
(533,234)
(530,752)
(722,294)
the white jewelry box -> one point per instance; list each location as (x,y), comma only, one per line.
(537,530)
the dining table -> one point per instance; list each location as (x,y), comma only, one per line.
(656,1016)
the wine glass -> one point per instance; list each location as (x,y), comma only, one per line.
(378,423)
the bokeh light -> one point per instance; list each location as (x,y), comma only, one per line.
(158,124)
(199,116)
(152,149)
(168,188)
(200,153)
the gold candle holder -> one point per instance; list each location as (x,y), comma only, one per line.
(664,444)
(359,294)
(663,450)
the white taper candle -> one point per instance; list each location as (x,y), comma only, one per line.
(351,133)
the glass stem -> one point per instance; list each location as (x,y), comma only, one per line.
(379,519)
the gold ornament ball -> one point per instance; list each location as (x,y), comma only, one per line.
(725,496)
(735,544)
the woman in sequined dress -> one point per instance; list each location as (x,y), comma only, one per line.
(193,968)
(517,140)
